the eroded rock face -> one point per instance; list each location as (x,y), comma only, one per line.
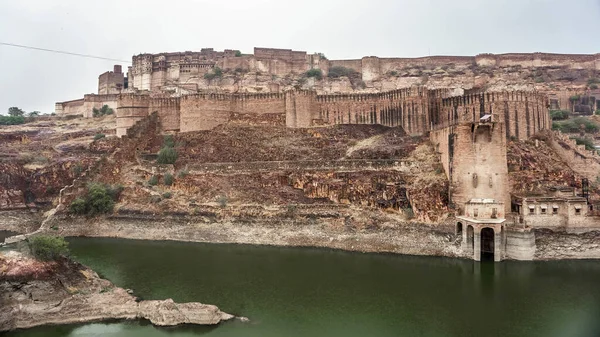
(34,293)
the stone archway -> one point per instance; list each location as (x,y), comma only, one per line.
(487,244)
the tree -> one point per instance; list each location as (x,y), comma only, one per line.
(238,53)
(47,248)
(34,114)
(15,112)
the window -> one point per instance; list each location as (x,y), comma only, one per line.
(577,210)
(475,212)
(494,213)
(543,211)
(531,210)
(555,210)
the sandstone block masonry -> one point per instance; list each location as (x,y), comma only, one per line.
(418,110)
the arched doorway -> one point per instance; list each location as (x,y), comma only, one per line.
(487,244)
(459,229)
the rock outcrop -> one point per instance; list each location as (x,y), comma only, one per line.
(34,293)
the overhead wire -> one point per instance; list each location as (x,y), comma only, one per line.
(62,52)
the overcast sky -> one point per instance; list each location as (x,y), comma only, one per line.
(341,29)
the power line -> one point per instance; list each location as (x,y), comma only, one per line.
(62,52)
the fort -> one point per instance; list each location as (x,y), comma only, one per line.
(468,124)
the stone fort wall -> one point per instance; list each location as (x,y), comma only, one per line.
(86,105)
(152,71)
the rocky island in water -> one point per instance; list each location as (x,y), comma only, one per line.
(34,293)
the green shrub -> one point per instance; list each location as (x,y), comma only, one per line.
(168,179)
(99,136)
(589,144)
(104,110)
(153,181)
(574,98)
(238,53)
(99,199)
(322,56)
(167,195)
(183,173)
(593,81)
(593,86)
(168,141)
(222,201)
(47,248)
(78,206)
(167,155)
(393,73)
(316,73)
(215,73)
(77,169)
(574,125)
(598,112)
(12,120)
(338,71)
(558,115)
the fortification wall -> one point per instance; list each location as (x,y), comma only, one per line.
(131,108)
(74,107)
(403,107)
(523,113)
(584,162)
(168,112)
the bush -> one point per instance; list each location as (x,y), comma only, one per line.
(104,110)
(153,181)
(338,71)
(216,72)
(168,179)
(593,86)
(99,136)
(99,199)
(574,125)
(223,201)
(393,73)
(169,141)
(182,173)
(589,144)
(322,56)
(558,115)
(238,53)
(574,98)
(12,120)
(77,169)
(167,155)
(316,73)
(48,248)
(167,195)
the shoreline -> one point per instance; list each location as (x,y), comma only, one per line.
(333,232)
(36,293)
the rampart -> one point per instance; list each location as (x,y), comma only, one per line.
(153,71)
(86,105)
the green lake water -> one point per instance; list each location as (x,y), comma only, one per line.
(317,292)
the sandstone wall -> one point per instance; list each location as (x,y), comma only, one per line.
(523,113)
(111,82)
(86,105)
(131,108)
(586,163)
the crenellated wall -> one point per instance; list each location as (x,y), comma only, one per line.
(86,105)
(523,113)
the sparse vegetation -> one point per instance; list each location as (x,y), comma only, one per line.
(393,73)
(183,173)
(103,111)
(12,120)
(153,181)
(77,169)
(238,53)
(216,72)
(593,86)
(574,98)
(168,179)
(558,115)
(167,155)
(322,56)
(168,141)
(316,73)
(339,71)
(589,144)
(575,125)
(167,195)
(99,136)
(99,199)
(222,201)
(48,248)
